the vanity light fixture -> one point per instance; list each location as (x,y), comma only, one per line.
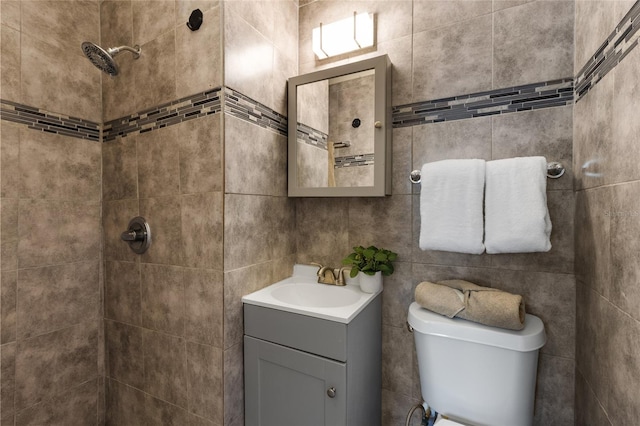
(346,35)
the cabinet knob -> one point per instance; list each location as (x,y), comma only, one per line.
(378,124)
(331,392)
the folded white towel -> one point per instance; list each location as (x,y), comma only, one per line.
(451,206)
(516,214)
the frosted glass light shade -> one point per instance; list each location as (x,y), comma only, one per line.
(343,36)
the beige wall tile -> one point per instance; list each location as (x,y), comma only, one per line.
(396,406)
(57,167)
(238,283)
(199,55)
(593,137)
(233,386)
(397,296)
(162,294)
(185,7)
(75,405)
(554,391)
(255,159)
(55,297)
(48,364)
(10,66)
(124,353)
(322,232)
(626,94)
(69,83)
(151,18)
(120,169)
(158,163)
(429,15)
(453,60)
(200,147)
(533,42)
(119,94)
(202,230)
(49,232)
(460,139)
(10,14)
(248,59)
(115,220)
(397,365)
(205,306)
(154,73)
(282,221)
(124,404)
(625,265)
(165,367)
(8,300)
(7,377)
(9,158)
(122,292)
(205,384)
(164,218)
(9,219)
(116,23)
(50,21)
(594,210)
(587,407)
(246,230)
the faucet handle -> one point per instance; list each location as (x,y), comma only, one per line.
(341,280)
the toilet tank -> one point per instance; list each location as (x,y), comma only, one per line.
(475,374)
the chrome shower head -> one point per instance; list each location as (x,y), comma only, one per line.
(103,59)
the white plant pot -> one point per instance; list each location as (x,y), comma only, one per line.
(370,283)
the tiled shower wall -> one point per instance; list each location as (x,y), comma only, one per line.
(441,49)
(51,311)
(606,157)
(213,189)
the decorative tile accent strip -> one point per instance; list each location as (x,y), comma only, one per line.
(311,136)
(618,45)
(354,160)
(501,101)
(245,108)
(38,119)
(198,105)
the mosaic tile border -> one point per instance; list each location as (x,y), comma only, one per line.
(188,108)
(356,160)
(243,107)
(527,97)
(618,45)
(44,121)
(311,136)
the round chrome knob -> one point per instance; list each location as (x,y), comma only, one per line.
(331,392)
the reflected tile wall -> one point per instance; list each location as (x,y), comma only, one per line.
(608,319)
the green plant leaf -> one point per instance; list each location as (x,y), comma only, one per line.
(380,256)
(354,272)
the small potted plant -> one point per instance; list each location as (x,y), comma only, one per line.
(373,263)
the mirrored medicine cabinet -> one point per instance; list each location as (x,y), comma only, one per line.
(340,131)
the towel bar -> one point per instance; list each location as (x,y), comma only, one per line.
(554,171)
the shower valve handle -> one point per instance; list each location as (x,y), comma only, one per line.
(137,235)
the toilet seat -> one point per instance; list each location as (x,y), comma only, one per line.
(441,421)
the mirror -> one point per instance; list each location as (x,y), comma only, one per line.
(340,131)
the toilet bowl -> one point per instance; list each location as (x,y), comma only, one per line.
(473,374)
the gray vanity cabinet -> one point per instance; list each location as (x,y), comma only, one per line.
(306,371)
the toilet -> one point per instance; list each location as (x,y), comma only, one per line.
(475,375)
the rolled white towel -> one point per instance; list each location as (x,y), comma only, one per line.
(516,214)
(451,206)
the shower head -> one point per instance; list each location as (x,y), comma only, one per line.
(103,59)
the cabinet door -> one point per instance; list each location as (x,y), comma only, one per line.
(287,387)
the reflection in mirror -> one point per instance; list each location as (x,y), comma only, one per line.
(335,137)
(339,143)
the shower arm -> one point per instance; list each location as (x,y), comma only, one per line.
(113,51)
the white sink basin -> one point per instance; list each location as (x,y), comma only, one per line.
(302,294)
(314,295)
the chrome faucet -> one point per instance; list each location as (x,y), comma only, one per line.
(326,275)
